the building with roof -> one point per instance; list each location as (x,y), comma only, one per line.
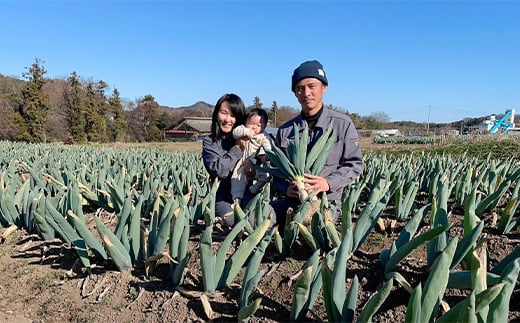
(189,129)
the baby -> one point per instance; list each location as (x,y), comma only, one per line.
(253,153)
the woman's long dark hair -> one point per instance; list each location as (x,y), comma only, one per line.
(238,109)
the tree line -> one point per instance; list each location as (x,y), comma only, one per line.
(75,110)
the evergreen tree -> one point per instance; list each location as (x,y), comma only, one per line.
(74,109)
(258,104)
(151,118)
(116,119)
(273,113)
(30,106)
(96,126)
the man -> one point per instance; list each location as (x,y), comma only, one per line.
(344,162)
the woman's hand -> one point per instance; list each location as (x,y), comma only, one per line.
(242,143)
(249,170)
(292,190)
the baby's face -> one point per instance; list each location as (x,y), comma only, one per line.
(255,124)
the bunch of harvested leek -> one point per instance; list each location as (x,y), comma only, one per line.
(299,160)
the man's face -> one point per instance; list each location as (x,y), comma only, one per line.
(309,93)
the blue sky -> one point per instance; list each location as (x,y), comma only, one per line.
(437,61)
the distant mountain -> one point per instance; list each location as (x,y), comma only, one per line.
(199,109)
(199,106)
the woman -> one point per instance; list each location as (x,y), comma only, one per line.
(221,152)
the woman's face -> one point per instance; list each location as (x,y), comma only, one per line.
(226,119)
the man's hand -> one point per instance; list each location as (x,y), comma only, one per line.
(317,183)
(312,182)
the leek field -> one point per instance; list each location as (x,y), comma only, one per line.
(430,232)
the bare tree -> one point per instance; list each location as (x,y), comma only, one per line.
(380,117)
(286,113)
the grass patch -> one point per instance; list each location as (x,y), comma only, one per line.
(484,146)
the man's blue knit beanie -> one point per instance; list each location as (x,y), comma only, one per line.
(309,69)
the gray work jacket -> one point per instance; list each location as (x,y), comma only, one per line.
(344,163)
(220,157)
